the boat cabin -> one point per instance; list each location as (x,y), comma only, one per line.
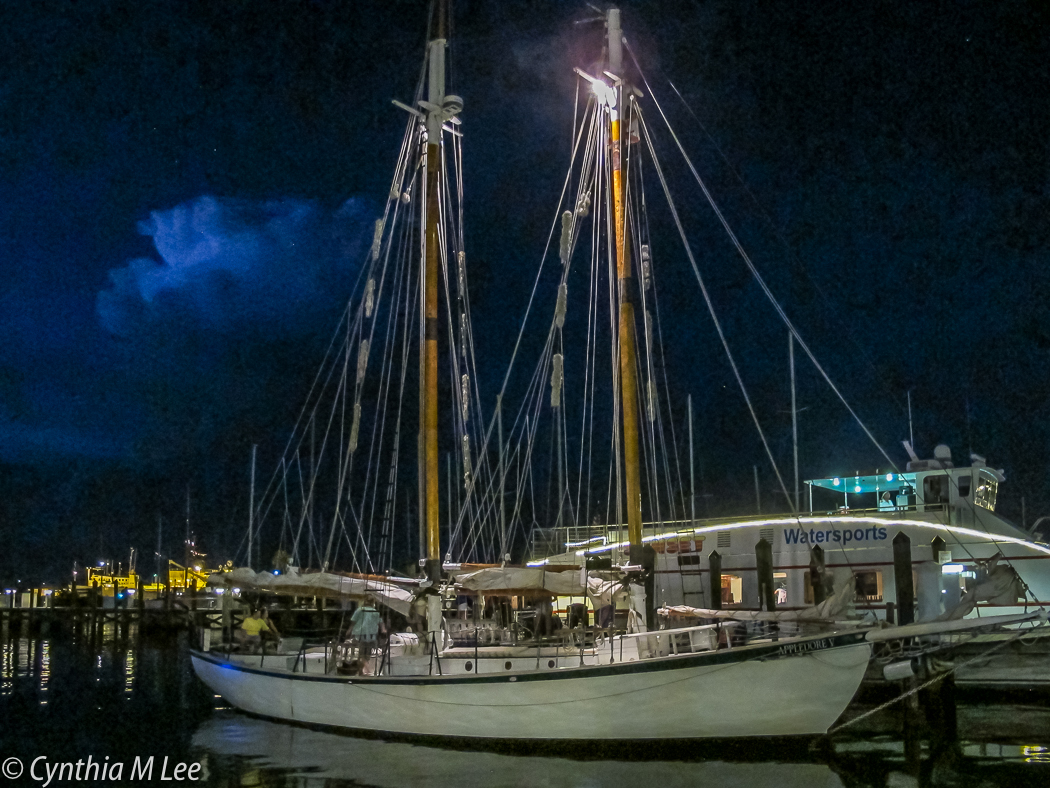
(930,487)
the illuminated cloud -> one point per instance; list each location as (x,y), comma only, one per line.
(226,264)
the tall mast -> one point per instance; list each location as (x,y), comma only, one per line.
(628,368)
(429,414)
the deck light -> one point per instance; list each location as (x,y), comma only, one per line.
(836,481)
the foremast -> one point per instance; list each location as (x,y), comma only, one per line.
(435,118)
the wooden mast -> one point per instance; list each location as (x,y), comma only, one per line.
(429,405)
(628,366)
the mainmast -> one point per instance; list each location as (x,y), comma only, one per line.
(628,366)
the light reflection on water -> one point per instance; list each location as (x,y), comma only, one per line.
(122,698)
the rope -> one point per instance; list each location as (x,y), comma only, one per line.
(934,680)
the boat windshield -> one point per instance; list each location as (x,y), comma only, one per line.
(987,488)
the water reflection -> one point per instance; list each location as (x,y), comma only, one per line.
(284,755)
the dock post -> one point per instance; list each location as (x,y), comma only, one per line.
(902,578)
(764,562)
(715,564)
(816,573)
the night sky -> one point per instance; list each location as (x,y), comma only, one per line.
(187,191)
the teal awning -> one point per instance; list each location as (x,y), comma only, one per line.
(866,484)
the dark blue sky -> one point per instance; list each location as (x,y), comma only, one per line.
(186,189)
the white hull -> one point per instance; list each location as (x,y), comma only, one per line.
(753,691)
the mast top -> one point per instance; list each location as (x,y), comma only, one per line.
(615,34)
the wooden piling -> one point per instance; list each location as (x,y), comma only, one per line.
(764,561)
(715,565)
(816,573)
(902,578)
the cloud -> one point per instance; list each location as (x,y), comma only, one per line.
(224,264)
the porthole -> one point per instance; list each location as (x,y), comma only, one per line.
(550,663)
(469,666)
(507,665)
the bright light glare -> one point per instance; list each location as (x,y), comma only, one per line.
(604,92)
(952,569)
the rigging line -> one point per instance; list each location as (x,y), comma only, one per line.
(667,389)
(544,364)
(299,530)
(757,276)
(862,350)
(339,488)
(648,441)
(475,521)
(406,346)
(309,498)
(383,397)
(379,422)
(529,431)
(596,268)
(707,298)
(532,295)
(362,271)
(517,344)
(588,380)
(390,506)
(589,377)
(644,232)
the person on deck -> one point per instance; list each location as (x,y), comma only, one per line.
(250,633)
(364,627)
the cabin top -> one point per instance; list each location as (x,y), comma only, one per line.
(925,484)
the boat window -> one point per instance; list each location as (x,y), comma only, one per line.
(732,589)
(780,582)
(693,559)
(869,585)
(935,490)
(987,487)
(964,486)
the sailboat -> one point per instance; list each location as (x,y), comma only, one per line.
(641,682)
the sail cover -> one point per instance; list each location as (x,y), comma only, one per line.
(511,580)
(323,584)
